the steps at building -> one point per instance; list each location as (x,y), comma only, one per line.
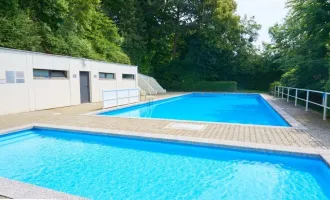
(150,85)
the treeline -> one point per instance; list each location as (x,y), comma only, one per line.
(179,42)
(301,45)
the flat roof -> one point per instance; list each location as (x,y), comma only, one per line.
(64,56)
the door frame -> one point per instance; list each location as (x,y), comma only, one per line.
(89,86)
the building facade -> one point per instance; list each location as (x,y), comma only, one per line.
(31,81)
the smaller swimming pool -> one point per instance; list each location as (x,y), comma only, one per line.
(208,107)
(108,167)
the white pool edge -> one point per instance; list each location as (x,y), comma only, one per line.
(129,105)
(19,190)
(288,118)
(15,189)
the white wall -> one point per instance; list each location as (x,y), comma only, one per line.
(38,94)
(51,93)
(118,83)
(127,83)
(11,94)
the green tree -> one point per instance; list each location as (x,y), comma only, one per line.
(302,44)
(128,17)
(19,32)
(67,27)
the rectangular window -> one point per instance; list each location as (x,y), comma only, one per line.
(44,73)
(58,74)
(41,73)
(128,76)
(106,75)
(102,75)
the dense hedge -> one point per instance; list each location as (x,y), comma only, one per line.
(210,86)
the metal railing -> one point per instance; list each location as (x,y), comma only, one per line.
(146,94)
(143,84)
(113,98)
(281,91)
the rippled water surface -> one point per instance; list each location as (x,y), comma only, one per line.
(101,167)
(209,107)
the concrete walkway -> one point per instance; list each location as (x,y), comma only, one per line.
(317,134)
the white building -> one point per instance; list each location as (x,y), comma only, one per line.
(32,81)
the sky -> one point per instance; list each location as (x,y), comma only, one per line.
(266,12)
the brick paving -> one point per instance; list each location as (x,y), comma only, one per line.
(317,134)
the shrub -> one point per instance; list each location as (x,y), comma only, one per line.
(273,84)
(210,86)
(290,78)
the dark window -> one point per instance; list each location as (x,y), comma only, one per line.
(110,76)
(106,75)
(44,73)
(102,75)
(128,76)
(58,74)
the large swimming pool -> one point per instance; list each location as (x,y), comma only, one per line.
(104,167)
(209,107)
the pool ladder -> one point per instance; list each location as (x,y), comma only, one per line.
(150,101)
(149,98)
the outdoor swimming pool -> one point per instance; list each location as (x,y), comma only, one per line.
(106,167)
(208,107)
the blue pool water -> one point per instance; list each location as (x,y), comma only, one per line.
(104,167)
(209,107)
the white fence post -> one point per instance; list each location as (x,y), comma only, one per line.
(129,96)
(307,99)
(278,91)
(275,91)
(287,98)
(295,101)
(117,97)
(282,92)
(325,102)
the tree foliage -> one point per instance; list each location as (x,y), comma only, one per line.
(186,40)
(68,27)
(179,42)
(301,44)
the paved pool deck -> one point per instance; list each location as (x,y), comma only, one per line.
(317,134)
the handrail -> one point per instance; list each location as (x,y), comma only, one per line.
(149,87)
(156,84)
(112,98)
(152,82)
(279,90)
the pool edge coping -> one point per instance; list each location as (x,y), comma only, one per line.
(16,189)
(19,190)
(288,118)
(284,115)
(95,113)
